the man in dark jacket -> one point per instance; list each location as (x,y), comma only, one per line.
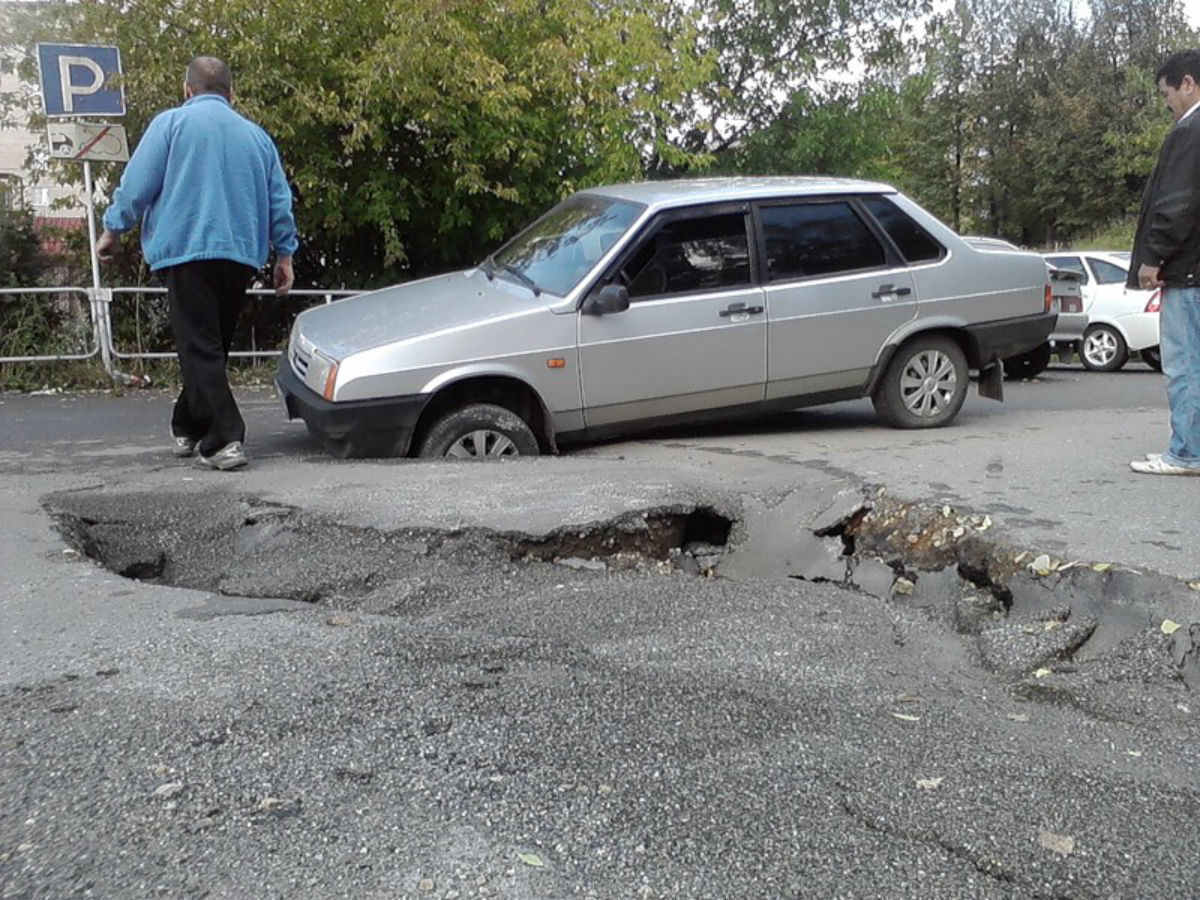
(1166,254)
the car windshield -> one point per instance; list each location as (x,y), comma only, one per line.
(559,249)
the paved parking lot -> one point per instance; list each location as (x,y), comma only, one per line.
(390,679)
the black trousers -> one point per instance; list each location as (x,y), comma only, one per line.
(206,298)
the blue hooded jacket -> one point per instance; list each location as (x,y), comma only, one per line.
(206,183)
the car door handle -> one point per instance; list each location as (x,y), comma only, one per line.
(741,308)
(890,290)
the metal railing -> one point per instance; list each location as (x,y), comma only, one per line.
(60,293)
(327,296)
(100,312)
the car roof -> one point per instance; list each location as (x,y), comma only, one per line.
(715,190)
(989,243)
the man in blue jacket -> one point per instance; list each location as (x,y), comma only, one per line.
(208,188)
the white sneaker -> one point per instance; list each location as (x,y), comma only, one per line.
(183,446)
(231,456)
(1156,465)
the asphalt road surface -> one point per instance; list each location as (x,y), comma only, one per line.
(387,679)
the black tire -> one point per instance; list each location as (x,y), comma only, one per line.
(480,431)
(906,397)
(1103,349)
(1030,364)
(1152,356)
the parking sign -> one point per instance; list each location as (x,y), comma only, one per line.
(81,80)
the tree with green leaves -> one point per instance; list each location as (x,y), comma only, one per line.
(418,133)
(21,260)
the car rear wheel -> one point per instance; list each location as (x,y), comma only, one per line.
(1152,356)
(924,385)
(480,431)
(1030,364)
(1103,349)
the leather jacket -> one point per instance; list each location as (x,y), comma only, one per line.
(1168,228)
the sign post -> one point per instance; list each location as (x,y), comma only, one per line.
(84,80)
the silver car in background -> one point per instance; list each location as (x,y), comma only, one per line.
(640,305)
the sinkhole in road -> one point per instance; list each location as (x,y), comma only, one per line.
(246,547)
(930,561)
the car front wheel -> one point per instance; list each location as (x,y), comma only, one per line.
(480,431)
(1103,349)
(924,385)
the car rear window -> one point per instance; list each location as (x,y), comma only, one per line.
(1107,273)
(915,243)
(807,239)
(1071,264)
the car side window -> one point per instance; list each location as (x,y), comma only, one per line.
(705,253)
(1107,273)
(915,243)
(1071,264)
(807,239)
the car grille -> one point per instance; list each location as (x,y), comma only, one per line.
(300,363)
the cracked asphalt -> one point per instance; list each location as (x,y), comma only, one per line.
(450,720)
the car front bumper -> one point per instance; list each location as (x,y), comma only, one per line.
(1009,337)
(382,427)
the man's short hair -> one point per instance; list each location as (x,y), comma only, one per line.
(1185,62)
(209,75)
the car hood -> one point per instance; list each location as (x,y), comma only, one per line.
(413,310)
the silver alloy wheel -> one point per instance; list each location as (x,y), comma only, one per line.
(928,383)
(1100,348)
(482,443)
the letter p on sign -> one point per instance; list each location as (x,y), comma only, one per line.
(81,80)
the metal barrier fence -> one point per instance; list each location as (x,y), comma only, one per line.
(60,293)
(103,343)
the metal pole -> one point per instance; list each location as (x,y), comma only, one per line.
(91,217)
(101,299)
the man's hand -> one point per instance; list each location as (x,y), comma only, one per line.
(283,276)
(108,245)
(1149,277)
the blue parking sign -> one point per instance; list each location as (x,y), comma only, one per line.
(81,80)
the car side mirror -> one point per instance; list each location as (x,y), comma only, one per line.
(612,298)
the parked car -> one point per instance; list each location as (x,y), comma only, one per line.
(1066,301)
(640,305)
(1119,320)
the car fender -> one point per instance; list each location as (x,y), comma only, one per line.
(1139,329)
(914,327)
(486,369)
(1111,322)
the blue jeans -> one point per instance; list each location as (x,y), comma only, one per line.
(1179,339)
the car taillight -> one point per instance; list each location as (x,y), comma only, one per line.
(1049,298)
(1155,302)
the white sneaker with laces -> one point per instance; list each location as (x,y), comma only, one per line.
(1156,465)
(231,456)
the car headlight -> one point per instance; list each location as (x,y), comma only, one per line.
(322,374)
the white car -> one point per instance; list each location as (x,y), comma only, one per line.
(1120,321)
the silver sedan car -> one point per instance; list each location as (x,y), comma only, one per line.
(634,306)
